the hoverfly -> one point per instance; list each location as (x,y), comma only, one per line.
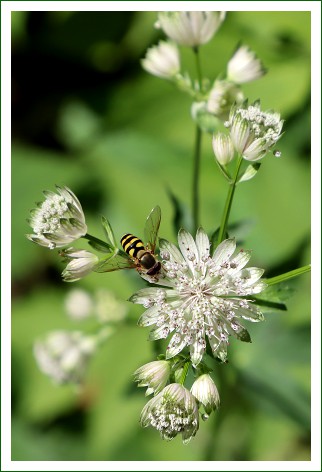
(135,254)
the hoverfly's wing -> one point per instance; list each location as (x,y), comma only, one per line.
(151,228)
(117,262)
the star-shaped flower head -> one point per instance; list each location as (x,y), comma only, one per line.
(201,296)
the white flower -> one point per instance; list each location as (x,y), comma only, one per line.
(223,148)
(254,132)
(202,296)
(64,355)
(153,375)
(222,96)
(81,263)
(205,391)
(190,28)
(78,304)
(172,411)
(108,308)
(59,220)
(162,60)
(244,66)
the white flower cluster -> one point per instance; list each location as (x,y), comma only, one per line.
(253,133)
(64,355)
(57,221)
(201,296)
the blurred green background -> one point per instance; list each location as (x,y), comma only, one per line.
(85,115)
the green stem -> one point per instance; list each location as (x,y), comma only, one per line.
(184,373)
(229,200)
(198,66)
(288,275)
(89,237)
(195,179)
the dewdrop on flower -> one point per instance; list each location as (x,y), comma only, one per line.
(201,296)
(58,221)
(252,131)
(173,411)
(244,66)
(190,28)
(81,263)
(64,355)
(162,60)
(153,375)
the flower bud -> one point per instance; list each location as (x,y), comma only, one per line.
(205,391)
(190,28)
(153,375)
(223,148)
(162,60)
(244,66)
(81,264)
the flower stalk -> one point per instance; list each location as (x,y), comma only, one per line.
(288,275)
(228,204)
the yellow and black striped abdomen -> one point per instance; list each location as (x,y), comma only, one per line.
(132,245)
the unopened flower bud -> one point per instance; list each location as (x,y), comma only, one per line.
(223,148)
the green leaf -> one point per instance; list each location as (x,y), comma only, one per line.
(100,247)
(108,232)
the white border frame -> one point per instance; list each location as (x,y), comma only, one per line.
(6,8)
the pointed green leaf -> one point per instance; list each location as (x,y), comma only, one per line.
(250,172)
(108,232)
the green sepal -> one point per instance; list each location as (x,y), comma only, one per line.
(100,247)
(108,232)
(250,172)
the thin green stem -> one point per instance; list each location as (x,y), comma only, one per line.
(229,200)
(198,66)
(184,373)
(89,237)
(288,275)
(195,179)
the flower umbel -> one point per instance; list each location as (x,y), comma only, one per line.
(190,28)
(201,296)
(81,263)
(172,411)
(64,355)
(59,220)
(205,391)
(244,66)
(153,375)
(162,60)
(252,131)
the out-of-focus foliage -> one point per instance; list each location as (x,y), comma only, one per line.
(87,116)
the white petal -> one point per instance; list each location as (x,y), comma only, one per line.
(239,261)
(188,248)
(144,295)
(173,251)
(203,244)
(224,251)
(149,317)
(249,314)
(175,347)
(196,352)
(250,275)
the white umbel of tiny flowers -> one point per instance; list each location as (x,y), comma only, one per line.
(153,375)
(172,411)
(252,131)
(190,28)
(223,148)
(244,66)
(162,60)
(64,355)
(81,263)
(200,296)
(222,96)
(205,391)
(59,220)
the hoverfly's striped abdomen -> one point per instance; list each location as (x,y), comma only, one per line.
(133,246)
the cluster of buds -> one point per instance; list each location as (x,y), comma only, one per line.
(174,409)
